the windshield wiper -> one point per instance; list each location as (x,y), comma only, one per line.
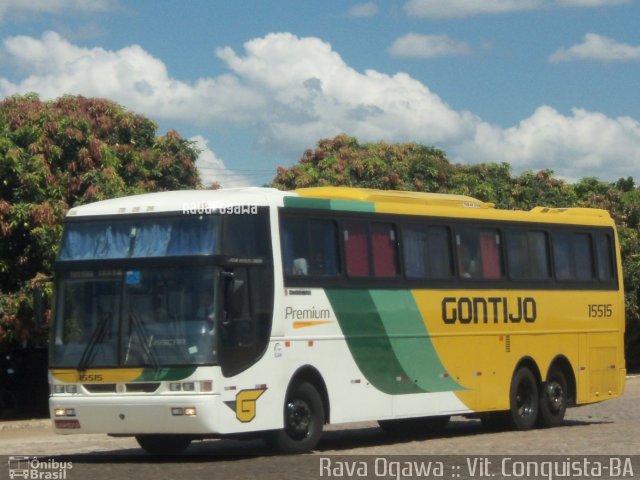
(96,337)
(139,329)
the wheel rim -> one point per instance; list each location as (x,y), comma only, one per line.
(555,397)
(299,419)
(524,400)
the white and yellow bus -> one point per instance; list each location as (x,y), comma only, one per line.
(198,314)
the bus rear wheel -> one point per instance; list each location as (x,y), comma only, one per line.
(553,399)
(163,444)
(523,399)
(303,421)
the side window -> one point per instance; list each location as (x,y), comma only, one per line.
(479,254)
(356,248)
(427,252)
(528,258)
(573,256)
(562,256)
(385,249)
(583,256)
(310,247)
(295,245)
(604,249)
(324,248)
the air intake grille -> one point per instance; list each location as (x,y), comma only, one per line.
(143,387)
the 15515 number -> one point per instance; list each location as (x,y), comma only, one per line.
(600,310)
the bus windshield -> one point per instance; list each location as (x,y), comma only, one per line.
(140,238)
(148,317)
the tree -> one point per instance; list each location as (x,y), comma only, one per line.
(342,161)
(58,154)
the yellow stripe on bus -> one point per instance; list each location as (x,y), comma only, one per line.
(96,375)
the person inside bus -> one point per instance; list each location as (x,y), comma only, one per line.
(469,263)
(300,266)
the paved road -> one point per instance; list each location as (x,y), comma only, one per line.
(608,428)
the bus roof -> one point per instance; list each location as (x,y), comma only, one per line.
(457,206)
(394,196)
(180,201)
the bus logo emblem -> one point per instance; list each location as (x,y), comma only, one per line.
(245,404)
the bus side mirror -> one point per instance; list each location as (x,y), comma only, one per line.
(234,295)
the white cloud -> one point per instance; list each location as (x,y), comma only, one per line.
(290,92)
(363,10)
(130,76)
(414,45)
(465,8)
(212,169)
(598,48)
(439,9)
(315,94)
(22,8)
(591,3)
(581,144)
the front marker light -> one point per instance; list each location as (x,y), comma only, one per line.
(64,412)
(175,387)
(206,386)
(72,389)
(188,386)
(58,389)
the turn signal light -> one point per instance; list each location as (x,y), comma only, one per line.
(186,411)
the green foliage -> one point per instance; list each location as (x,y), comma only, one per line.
(58,154)
(344,161)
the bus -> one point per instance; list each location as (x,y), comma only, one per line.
(253,312)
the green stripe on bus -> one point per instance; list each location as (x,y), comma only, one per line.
(410,340)
(368,341)
(329,204)
(167,374)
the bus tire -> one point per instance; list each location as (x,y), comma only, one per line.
(415,426)
(523,400)
(553,399)
(163,444)
(303,421)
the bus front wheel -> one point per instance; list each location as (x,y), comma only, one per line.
(303,421)
(163,444)
(523,399)
(553,399)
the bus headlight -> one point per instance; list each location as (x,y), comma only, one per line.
(186,411)
(65,412)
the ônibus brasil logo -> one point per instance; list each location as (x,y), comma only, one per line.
(36,469)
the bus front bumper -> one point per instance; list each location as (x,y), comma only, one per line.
(181,414)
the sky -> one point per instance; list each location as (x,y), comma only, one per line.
(540,84)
